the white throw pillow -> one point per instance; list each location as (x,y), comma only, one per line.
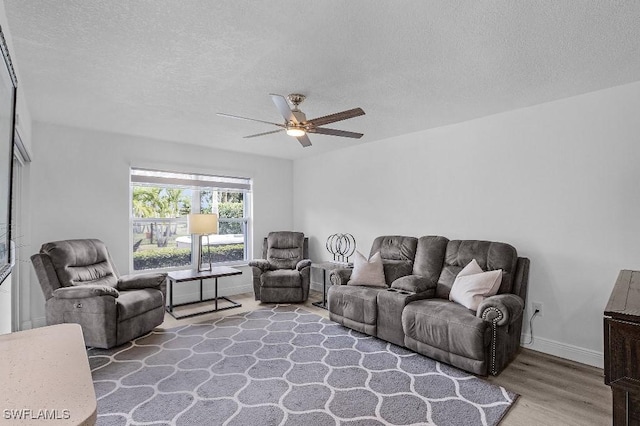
(471,268)
(472,285)
(367,272)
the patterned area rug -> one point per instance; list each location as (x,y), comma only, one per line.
(283,366)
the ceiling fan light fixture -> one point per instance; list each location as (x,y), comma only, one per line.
(296,124)
(296,132)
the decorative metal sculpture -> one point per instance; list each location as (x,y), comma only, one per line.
(341,246)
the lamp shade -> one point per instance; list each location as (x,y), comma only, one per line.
(202,224)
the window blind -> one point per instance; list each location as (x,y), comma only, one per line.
(156,177)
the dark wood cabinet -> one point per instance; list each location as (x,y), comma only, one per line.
(622,348)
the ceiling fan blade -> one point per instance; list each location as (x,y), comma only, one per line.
(304,140)
(284,108)
(221,114)
(335,132)
(339,116)
(264,133)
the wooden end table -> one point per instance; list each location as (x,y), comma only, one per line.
(175,277)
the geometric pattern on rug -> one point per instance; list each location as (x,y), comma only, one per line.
(283,366)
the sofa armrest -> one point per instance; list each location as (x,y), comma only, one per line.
(501,308)
(262,264)
(137,282)
(413,283)
(85,291)
(340,276)
(304,263)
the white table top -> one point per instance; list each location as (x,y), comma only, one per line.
(45,377)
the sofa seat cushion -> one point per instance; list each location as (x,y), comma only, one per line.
(447,326)
(281,278)
(136,302)
(356,303)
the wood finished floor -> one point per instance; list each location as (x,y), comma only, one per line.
(553,391)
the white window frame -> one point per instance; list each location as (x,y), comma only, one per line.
(228,183)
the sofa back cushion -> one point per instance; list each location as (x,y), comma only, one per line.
(430,257)
(489,255)
(397,253)
(79,262)
(285,249)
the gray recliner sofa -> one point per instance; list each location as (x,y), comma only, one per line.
(415,310)
(81,285)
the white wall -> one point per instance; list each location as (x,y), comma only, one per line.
(80,189)
(559,181)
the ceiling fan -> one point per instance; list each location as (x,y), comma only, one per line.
(296,123)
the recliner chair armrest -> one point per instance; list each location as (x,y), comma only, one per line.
(413,283)
(85,291)
(501,308)
(137,282)
(304,263)
(340,276)
(261,264)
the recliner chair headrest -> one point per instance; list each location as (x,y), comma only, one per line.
(78,262)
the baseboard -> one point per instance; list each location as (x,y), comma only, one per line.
(181,297)
(563,350)
(316,287)
(26,325)
(39,322)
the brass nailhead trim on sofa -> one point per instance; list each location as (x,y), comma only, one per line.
(494,328)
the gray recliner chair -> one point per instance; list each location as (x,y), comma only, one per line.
(283,276)
(81,285)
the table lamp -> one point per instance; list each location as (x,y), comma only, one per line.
(202,224)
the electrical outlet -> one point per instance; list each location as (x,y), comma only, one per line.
(536,306)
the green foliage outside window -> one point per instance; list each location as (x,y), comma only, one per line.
(159,202)
(168,257)
(231,211)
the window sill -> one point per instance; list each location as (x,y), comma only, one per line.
(239,264)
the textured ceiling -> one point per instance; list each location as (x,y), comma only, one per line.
(162,69)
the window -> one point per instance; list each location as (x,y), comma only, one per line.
(160,203)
